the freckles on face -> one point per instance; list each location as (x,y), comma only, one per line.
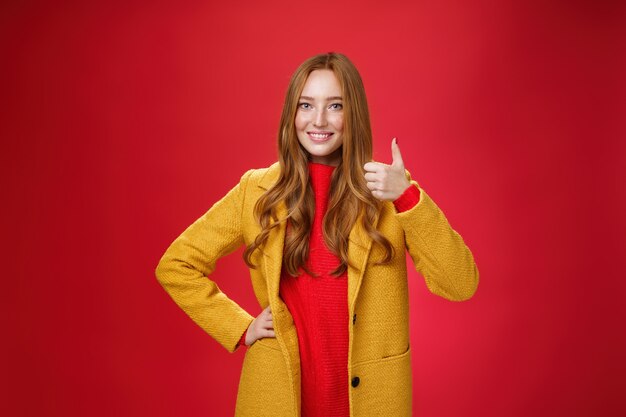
(319,117)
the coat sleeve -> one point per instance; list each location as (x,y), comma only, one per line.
(184,269)
(438,252)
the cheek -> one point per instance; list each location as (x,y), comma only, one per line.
(338,122)
(300,122)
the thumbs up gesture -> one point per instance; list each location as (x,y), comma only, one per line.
(387,182)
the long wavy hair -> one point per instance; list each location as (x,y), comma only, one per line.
(349,195)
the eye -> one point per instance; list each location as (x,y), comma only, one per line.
(336,106)
(304,106)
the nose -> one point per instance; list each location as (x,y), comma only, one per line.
(320,118)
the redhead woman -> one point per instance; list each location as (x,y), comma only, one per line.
(326,231)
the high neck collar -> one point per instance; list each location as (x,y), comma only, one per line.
(320,167)
(320,176)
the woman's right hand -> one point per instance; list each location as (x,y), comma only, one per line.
(261,327)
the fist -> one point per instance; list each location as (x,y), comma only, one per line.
(387,182)
(261,327)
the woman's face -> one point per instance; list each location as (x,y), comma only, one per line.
(319,118)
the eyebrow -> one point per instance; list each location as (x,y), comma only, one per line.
(327,98)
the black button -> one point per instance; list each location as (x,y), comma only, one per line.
(354,319)
(355,381)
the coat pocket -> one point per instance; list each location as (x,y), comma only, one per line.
(384,386)
(264,388)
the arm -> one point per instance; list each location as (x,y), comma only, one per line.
(183,269)
(438,251)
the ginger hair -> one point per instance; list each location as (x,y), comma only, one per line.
(349,195)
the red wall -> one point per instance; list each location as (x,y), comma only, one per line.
(122,122)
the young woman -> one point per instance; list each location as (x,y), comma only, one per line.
(325,230)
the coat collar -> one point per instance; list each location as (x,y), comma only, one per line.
(359,248)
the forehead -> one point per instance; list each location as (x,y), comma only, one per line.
(321,83)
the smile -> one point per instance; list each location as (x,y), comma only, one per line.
(320,136)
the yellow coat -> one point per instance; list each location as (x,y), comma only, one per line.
(379,358)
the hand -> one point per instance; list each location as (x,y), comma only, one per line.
(387,182)
(261,327)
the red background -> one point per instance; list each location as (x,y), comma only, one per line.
(122,122)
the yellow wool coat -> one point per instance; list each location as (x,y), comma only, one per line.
(379,358)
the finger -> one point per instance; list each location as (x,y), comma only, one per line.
(270,333)
(395,153)
(373,167)
(372,185)
(264,326)
(371,176)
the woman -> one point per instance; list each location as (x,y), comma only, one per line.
(325,230)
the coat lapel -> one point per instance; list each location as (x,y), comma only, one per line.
(359,247)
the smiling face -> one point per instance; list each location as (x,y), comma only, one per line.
(319,117)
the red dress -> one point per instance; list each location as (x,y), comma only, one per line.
(319,306)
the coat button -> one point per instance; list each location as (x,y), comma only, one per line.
(355,381)
(354,319)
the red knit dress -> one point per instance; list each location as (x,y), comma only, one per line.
(319,308)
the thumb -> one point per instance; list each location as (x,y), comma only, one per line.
(395,154)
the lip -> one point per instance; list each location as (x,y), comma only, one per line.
(320,140)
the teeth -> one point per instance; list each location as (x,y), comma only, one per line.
(320,136)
